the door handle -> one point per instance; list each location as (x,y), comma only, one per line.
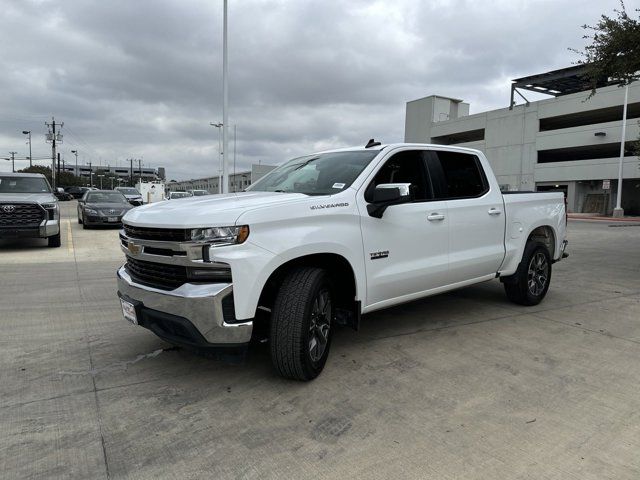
(435,216)
(494,211)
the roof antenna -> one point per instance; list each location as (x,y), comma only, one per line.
(372,143)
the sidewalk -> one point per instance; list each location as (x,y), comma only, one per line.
(601,218)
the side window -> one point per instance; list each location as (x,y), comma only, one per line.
(456,175)
(404,167)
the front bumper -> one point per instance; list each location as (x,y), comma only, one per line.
(190,315)
(103,220)
(47,228)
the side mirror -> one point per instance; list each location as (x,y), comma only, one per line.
(387,194)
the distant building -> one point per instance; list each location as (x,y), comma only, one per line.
(146,173)
(237,182)
(565,143)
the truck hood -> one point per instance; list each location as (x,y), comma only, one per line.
(28,197)
(206,211)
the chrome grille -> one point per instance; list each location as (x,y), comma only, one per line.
(21,214)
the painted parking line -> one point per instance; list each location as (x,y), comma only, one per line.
(69,238)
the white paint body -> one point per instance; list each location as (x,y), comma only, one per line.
(474,241)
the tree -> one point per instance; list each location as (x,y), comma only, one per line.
(614,51)
(65,179)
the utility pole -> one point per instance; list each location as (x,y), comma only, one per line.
(90,175)
(13,161)
(131,172)
(53,137)
(140,169)
(58,171)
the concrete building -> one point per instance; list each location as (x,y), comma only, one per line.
(237,182)
(146,173)
(567,142)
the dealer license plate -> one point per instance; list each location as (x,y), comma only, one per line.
(112,219)
(129,311)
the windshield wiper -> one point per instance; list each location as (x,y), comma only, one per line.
(306,163)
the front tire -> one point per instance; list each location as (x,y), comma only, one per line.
(54,241)
(301,322)
(529,285)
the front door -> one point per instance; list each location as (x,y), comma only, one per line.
(406,251)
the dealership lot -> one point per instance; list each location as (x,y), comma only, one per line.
(463,385)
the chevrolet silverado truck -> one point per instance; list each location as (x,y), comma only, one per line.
(28,208)
(328,237)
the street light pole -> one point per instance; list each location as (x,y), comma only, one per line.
(28,132)
(225,106)
(75,152)
(220,153)
(618,211)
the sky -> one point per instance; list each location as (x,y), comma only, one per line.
(143,79)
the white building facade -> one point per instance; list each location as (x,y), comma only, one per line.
(237,181)
(569,142)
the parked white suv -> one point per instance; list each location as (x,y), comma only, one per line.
(330,236)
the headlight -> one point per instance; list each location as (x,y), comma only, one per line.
(219,236)
(91,211)
(52,209)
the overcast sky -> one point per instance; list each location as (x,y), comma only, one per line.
(143,79)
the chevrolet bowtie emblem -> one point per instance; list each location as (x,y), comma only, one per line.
(133,248)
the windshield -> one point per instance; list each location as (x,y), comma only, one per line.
(321,174)
(129,191)
(106,197)
(178,194)
(24,185)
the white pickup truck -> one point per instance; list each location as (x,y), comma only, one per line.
(327,237)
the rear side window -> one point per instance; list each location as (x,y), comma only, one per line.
(456,175)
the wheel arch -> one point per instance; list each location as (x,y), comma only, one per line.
(546,235)
(341,272)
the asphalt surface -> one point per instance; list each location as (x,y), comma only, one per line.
(463,385)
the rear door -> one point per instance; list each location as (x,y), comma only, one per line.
(475,212)
(406,251)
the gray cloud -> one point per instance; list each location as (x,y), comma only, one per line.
(143,78)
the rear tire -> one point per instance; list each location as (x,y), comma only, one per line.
(529,285)
(301,322)
(54,241)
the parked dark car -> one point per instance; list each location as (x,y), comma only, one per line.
(131,194)
(102,207)
(62,195)
(77,192)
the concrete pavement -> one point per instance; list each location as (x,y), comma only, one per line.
(463,385)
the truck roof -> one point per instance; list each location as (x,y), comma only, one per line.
(398,145)
(20,174)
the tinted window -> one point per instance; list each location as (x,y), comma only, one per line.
(105,197)
(456,175)
(17,184)
(404,167)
